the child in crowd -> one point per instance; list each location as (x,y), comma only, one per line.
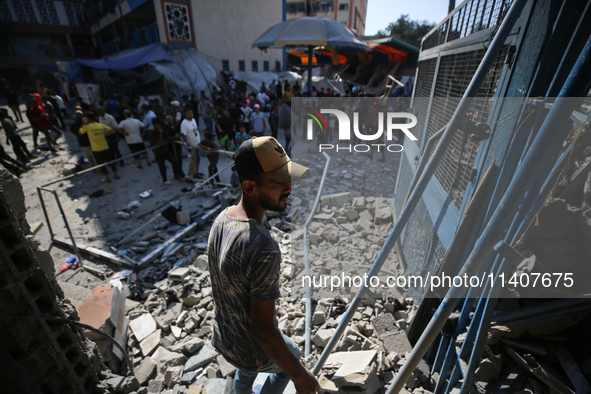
(241,136)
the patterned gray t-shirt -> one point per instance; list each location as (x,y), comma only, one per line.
(244,264)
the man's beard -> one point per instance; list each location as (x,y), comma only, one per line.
(270,205)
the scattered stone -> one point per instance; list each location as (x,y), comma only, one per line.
(145,371)
(190,377)
(205,356)
(318,318)
(363,225)
(121,384)
(216,386)
(384,324)
(396,342)
(226,368)
(150,343)
(490,368)
(155,386)
(166,358)
(143,326)
(188,347)
(322,337)
(172,375)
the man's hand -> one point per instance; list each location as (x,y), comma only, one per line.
(307,384)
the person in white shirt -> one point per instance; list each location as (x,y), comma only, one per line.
(258,122)
(262,96)
(113,138)
(192,138)
(134,131)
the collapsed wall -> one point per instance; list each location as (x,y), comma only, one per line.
(38,355)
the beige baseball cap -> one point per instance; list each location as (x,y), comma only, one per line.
(265,155)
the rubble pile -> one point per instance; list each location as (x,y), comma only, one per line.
(169,336)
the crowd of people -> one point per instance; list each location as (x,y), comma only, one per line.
(180,128)
(173,128)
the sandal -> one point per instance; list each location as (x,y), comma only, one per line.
(116,177)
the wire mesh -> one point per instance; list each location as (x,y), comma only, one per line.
(474,16)
(454,76)
(422,249)
(422,93)
(405,177)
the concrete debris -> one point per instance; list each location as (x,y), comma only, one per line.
(396,342)
(490,368)
(143,326)
(226,369)
(146,371)
(322,337)
(150,343)
(105,311)
(205,356)
(171,313)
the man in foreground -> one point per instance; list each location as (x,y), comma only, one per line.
(244,265)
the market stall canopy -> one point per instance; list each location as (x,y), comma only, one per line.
(132,59)
(387,55)
(309,31)
(411,50)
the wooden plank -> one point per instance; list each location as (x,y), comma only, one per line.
(94,252)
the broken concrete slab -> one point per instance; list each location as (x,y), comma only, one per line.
(351,214)
(205,356)
(384,324)
(150,343)
(188,347)
(166,358)
(189,377)
(216,386)
(363,225)
(322,337)
(351,362)
(396,342)
(173,375)
(226,368)
(143,326)
(179,273)
(122,384)
(145,371)
(155,386)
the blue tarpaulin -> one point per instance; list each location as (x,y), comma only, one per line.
(138,57)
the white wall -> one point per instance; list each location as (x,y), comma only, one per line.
(226,29)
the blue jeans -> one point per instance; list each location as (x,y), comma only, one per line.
(276,381)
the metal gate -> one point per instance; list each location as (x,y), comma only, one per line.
(450,56)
